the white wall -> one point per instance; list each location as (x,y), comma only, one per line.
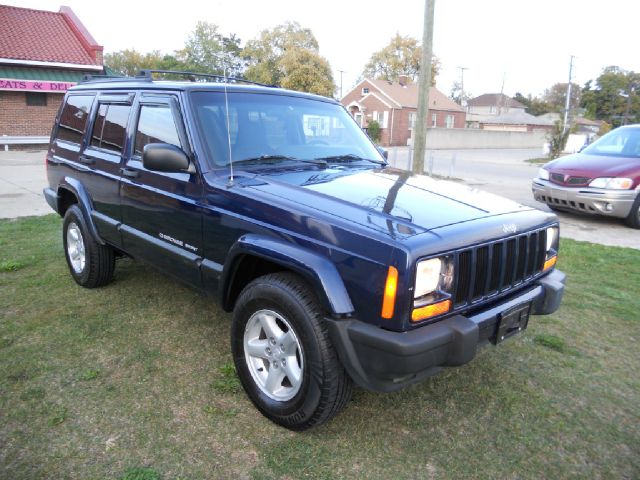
(460,138)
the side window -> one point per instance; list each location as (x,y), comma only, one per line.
(73,118)
(110,127)
(155,125)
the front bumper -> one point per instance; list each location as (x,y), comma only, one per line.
(385,361)
(613,203)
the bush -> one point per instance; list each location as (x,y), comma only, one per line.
(557,140)
(374,131)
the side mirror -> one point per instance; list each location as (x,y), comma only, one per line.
(383,152)
(162,157)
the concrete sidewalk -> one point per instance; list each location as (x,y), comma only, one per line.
(22,178)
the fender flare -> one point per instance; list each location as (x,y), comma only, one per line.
(318,270)
(84,203)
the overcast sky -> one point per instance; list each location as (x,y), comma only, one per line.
(528,44)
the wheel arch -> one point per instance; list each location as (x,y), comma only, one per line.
(71,192)
(255,255)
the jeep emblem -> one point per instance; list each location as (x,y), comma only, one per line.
(509,228)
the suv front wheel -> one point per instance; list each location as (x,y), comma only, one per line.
(283,354)
(91,264)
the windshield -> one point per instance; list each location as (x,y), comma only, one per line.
(621,142)
(269,127)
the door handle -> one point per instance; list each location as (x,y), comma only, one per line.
(130,172)
(86,160)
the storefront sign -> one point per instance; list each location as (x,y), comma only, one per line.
(34,86)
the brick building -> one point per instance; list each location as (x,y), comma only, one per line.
(42,54)
(394,105)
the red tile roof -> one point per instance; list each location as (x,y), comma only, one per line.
(37,35)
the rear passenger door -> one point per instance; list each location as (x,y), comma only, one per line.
(162,221)
(104,153)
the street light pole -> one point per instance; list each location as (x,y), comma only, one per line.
(424,83)
(341,72)
(567,103)
(462,69)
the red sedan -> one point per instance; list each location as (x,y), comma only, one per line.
(603,179)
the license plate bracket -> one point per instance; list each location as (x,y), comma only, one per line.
(511,322)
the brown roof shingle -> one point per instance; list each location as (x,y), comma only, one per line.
(407,96)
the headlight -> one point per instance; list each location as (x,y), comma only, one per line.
(612,183)
(543,174)
(551,256)
(552,238)
(427,276)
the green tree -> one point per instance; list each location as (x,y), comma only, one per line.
(129,62)
(556,96)
(287,55)
(457,95)
(400,57)
(615,98)
(208,51)
(534,105)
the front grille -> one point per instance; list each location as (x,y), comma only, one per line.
(574,181)
(578,180)
(493,268)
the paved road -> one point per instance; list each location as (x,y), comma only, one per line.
(504,172)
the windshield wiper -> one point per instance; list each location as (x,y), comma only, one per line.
(265,158)
(348,157)
(274,158)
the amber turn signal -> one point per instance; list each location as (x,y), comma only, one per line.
(430,310)
(390,289)
(550,263)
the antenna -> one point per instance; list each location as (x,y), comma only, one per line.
(226,107)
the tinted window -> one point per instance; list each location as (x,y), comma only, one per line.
(156,125)
(73,118)
(109,129)
(261,124)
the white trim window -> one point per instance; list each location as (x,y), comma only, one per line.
(365,90)
(434,120)
(450,121)
(412,120)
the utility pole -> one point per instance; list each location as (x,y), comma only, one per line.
(424,83)
(567,103)
(501,99)
(462,69)
(341,72)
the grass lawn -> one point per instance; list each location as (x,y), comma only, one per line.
(135,381)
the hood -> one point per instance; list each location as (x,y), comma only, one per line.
(392,201)
(593,166)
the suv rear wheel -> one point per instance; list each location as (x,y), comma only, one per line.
(283,354)
(91,264)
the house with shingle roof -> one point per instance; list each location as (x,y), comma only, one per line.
(491,105)
(394,106)
(42,54)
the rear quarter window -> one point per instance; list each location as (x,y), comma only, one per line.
(73,118)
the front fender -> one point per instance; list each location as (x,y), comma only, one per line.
(84,202)
(318,270)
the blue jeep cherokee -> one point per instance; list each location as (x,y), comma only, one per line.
(337,268)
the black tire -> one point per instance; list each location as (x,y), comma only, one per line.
(633,219)
(99,260)
(325,387)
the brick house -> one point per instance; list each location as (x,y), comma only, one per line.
(42,54)
(394,105)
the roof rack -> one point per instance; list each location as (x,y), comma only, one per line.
(148,74)
(90,78)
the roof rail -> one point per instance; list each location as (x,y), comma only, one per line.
(148,74)
(90,78)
